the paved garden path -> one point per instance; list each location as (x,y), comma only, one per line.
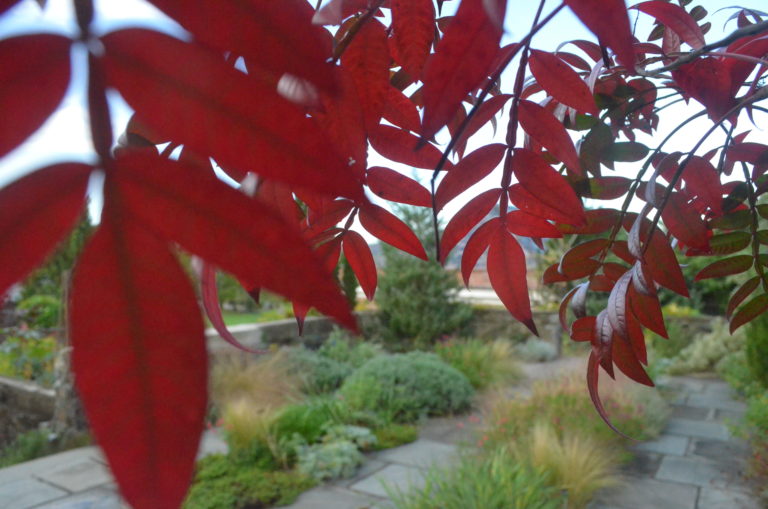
(695,463)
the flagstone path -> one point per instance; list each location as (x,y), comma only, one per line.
(694,464)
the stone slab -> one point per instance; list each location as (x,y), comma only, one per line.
(665,444)
(729,417)
(642,464)
(47,463)
(79,475)
(99,498)
(451,430)
(697,471)
(715,401)
(732,452)
(690,412)
(421,453)
(27,492)
(331,498)
(212,443)
(721,389)
(698,429)
(369,467)
(643,493)
(713,498)
(400,478)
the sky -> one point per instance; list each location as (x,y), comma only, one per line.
(65,136)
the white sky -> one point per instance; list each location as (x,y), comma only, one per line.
(65,136)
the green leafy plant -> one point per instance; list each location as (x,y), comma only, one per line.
(310,418)
(417,298)
(404,387)
(669,347)
(28,356)
(319,374)
(393,435)
(484,363)
(342,347)
(329,460)
(494,481)
(756,350)
(40,311)
(707,350)
(223,482)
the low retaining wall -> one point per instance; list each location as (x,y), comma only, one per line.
(23,406)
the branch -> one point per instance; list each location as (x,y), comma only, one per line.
(693,55)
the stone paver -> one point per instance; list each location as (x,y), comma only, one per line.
(421,453)
(333,498)
(713,498)
(394,477)
(699,429)
(103,497)
(696,471)
(27,492)
(644,493)
(665,444)
(77,476)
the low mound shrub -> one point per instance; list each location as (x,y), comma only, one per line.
(484,363)
(405,387)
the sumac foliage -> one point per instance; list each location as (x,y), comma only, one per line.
(291,99)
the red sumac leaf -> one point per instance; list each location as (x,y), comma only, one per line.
(725,267)
(413,30)
(33,79)
(617,305)
(136,332)
(647,310)
(742,293)
(7,4)
(226,228)
(543,127)
(476,246)
(461,61)
(608,188)
(210,298)
(597,221)
(191,96)
(624,357)
(506,270)
(707,80)
(749,311)
(279,36)
(401,146)
(553,275)
(358,254)
(563,309)
(729,243)
(466,219)
(528,202)
(561,82)
(394,186)
(484,114)
(663,265)
(385,226)
(592,387)
(401,111)
(675,18)
(608,20)
(36,213)
(468,172)
(521,223)
(548,187)
(583,329)
(684,223)
(367,60)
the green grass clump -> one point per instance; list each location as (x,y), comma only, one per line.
(393,435)
(405,387)
(484,363)
(494,481)
(222,483)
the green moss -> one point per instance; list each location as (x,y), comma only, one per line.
(222,482)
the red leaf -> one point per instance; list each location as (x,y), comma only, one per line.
(592,386)
(707,80)
(484,114)
(336,11)
(608,20)
(327,218)
(468,172)
(394,186)
(553,275)
(543,127)
(367,60)
(278,36)
(624,357)
(461,61)
(647,310)
(561,82)
(663,265)
(413,30)
(476,246)
(36,213)
(7,4)
(703,180)
(279,196)
(210,297)
(387,227)
(33,79)
(749,312)
(466,219)
(607,188)
(675,18)
(359,256)
(725,267)
(226,228)
(401,111)
(742,293)
(598,221)
(400,146)
(139,360)
(616,310)
(193,97)
(521,223)
(684,223)
(637,339)
(506,270)
(548,187)
(563,309)
(583,329)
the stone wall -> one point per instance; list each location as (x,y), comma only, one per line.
(23,406)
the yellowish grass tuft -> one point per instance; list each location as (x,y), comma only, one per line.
(577,464)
